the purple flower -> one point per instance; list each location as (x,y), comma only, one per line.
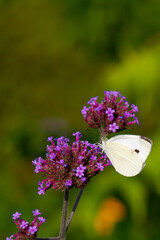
(68,183)
(84,111)
(134,107)
(80,171)
(41,191)
(81,168)
(40,184)
(110,112)
(99,108)
(79,174)
(52,156)
(38,167)
(83,179)
(93,157)
(39,160)
(61,161)
(57,148)
(36,212)
(100,166)
(111,118)
(33,229)
(136,120)
(80,158)
(41,219)
(92,100)
(113,127)
(50,139)
(24,224)
(132,115)
(37,163)
(62,140)
(127,114)
(16,215)
(48,184)
(78,135)
(49,148)
(34,162)
(9,238)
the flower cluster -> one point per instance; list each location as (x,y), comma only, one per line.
(111,115)
(26,231)
(68,166)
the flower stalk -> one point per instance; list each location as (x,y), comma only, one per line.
(62,234)
(74,209)
(64,222)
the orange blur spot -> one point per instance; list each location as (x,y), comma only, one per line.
(111,211)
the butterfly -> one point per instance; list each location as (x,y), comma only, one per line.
(127,153)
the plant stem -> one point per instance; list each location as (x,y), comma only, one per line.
(62,233)
(73,209)
(64,222)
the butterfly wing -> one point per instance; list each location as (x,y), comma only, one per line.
(141,145)
(127,153)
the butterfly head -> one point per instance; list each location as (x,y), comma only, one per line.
(103,142)
(104,139)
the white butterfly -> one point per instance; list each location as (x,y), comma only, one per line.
(127,153)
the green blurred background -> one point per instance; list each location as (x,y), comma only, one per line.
(54,56)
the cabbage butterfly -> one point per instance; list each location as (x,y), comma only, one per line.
(127,153)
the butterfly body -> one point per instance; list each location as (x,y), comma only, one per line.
(127,153)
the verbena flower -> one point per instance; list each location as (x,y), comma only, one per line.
(67,166)
(26,231)
(112,114)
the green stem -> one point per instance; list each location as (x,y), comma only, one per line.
(73,209)
(62,233)
(64,222)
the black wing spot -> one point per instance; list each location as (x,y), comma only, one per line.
(136,150)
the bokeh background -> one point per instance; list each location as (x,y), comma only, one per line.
(54,56)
